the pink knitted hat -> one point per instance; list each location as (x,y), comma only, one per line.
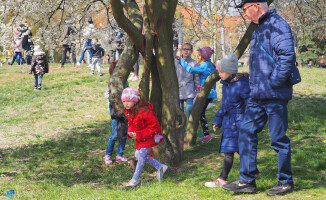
(206,52)
(130,94)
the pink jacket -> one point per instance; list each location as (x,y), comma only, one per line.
(18,45)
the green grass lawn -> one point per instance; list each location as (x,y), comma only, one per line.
(52,143)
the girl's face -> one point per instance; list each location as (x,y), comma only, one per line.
(224,75)
(128,104)
(199,57)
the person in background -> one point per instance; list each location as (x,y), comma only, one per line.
(204,69)
(310,64)
(87,35)
(98,53)
(188,82)
(68,42)
(18,49)
(39,67)
(116,41)
(321,64)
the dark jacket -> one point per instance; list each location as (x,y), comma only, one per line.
(146,125)
(266,80)
(39,64)
(122,123)
(235,93)
(97,50)
(68,37)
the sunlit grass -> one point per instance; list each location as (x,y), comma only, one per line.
(52,143)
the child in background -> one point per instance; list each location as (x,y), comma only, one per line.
(98,53)
(39,67)
(146,129)
(188,83)
(204,69)
(18,49)
(119,130)
(235,91)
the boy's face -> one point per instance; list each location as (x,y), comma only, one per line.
(94,41)
(186,51)
(128,104)
(224,75)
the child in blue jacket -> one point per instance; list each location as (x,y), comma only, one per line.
(204,69)
(235,91)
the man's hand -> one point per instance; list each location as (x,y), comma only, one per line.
(178,57)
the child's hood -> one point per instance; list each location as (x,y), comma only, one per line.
(39,53)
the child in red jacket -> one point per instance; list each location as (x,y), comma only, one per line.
(146,129)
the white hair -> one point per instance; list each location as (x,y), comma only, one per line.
(263,5)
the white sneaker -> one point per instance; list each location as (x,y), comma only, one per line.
(131,77)
(132,183)
(216,183)
(89,66)
(161,172)
(78,63)
(135,78)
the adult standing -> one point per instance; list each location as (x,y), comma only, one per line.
(87,35)
(269,96)
(116,41)
(25,34)
(68,41)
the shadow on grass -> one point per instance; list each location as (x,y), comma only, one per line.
(77,157)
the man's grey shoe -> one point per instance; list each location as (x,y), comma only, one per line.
(281,189)
(241,186)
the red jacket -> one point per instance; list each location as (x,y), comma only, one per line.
(146,125)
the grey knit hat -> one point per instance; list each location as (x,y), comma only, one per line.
(228,64)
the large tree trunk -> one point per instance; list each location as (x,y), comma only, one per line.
(158,17)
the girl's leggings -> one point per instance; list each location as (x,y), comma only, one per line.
(203,119)
(228,162)
(142,156)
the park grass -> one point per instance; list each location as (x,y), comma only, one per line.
(52,143)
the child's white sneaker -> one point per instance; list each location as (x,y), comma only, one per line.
(131,77)
(132,183)
(135,78)
(161,172)
(216,183)
(78,63)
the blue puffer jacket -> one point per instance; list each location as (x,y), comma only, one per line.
(235,93)
(204,70)
(266,80)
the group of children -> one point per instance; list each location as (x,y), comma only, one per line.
(144,127)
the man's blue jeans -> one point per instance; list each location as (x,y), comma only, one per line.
(256,115)
(190,103)
(113,138)
(88,43)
